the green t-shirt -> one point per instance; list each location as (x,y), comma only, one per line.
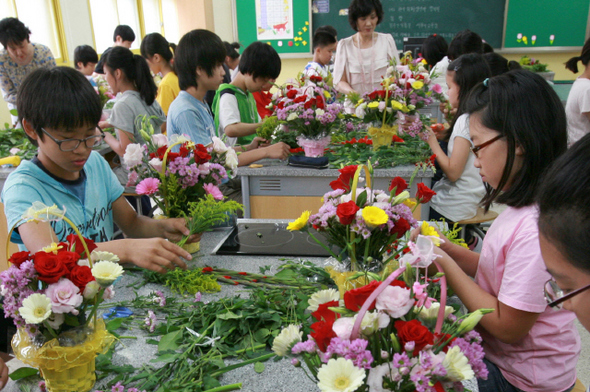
(246,106)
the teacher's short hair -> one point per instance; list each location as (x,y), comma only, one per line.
(361,8)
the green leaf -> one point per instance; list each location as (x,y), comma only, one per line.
(228,315)
(114,324)
(166,358)
(14,112)
(152,341)
(169,342)
(210,383)
(259,367)
(261,334)
(71,320)
(23,372)
(361,199)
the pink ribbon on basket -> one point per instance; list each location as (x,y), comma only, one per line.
(441,311)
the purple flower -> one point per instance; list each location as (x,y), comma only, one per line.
(308,346)
(401,360)
(197,297)
(118,387)
(159,298)
(150,321)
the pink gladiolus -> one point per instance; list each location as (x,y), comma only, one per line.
(149,186)
(437,88)
(213,191)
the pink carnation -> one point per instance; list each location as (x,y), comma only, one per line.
(437,88)
(213,191)
(65,296)
(149,186)
(132,178)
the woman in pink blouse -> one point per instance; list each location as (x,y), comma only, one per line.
(362,59)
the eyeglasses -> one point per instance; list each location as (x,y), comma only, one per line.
(555,296)
(67,145)
(475,149)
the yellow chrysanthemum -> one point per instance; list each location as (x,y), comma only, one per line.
(396,105)
(374,216)
(429,231)
(327,94)
(410,203)
(53,248)
(373,105)
(417,85)
(300,222)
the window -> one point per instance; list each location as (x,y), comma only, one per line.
(161,16)
(40,16)
(170,19)
(151,16)
(107,15)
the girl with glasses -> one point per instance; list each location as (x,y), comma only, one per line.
(518,126)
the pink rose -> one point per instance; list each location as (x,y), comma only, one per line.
(213,191)
(395,301)
(437,88)
(64,296)
(160,140)
(156,163)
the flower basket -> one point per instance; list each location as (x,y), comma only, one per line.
(64,369)
(382,135)
(314,148)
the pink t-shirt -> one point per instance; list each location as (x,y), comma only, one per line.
(511,268)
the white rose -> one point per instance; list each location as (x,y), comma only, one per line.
(133,155)
(160,140)
(319,112)
(55,320)
(156,163)
(429,316)
(292,116)
(343,327)
(231,159)
(218,145)
(360,111)
(395,301)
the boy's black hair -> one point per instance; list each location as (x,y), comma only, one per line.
(572,64)
(155,43)
(522,107)
(487,48)
(500,64)
(197,48)
(136,70)
(322,38)
(13,32)
(434,49)
(469,70)
(232,50)
(564,211)
(464,42)
(361,8)
(58,98)
(125,32)
(85,54)
(328,29)
(260,60)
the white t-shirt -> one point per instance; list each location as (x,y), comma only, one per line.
(229,114)
(578,103)
(316,69)
(440,69)
(458,200)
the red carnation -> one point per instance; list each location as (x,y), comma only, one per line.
(322,334)
(309,103)
(201,154)
(81,275)
(291,94)
(207,269)
(346,212)
(424,193)
(399,184)
(397,139)
(315,78)
(323,313)
(338,184)
(19,257)
(413,331)
(400,228)
(49,267)
(77,246)
(347,174)
(301,98)
(183,151)
(319,103)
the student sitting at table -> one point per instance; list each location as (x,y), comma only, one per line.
(85,59)
(233,106)
(67,173)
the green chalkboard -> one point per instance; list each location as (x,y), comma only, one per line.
(283,24)
(413,18)
(546,23)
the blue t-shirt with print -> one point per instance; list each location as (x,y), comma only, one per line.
(189,116)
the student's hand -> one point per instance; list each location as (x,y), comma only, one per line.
(3,374)
(104,125)
(173,229)
(277,151)
(155,254)
(432,137)
(257,142)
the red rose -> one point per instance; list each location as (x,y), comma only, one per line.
(280,105)
(80,275)
(291,93)
(201,154)
(69,259)
(301,98)
(183,151)
(399,184)
(325,314)
(159,152)
(49,267)
(400,228)
(355,298)
(424,193)
(171,156)
(322,334)
(319,103)
(19,257)
(309,103)
(438,387)
(338,184)
(443,338)
(413,331)
(346,212)
(77,246)
(315,78)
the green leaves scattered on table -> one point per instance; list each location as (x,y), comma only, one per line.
(184,281)
(15,138)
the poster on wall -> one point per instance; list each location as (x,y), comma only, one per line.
(274,19)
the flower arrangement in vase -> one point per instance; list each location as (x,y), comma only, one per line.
(390,335)
(180,174)
(364,223)
(52,297)
(308,109)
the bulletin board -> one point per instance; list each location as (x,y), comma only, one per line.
(283,24)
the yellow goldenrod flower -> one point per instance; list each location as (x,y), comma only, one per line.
(417,85)
(374,216)
(300,222)
(53,248)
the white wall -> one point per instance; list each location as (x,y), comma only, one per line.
(77,25)
(223,19)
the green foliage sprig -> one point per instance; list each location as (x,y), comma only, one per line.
(15,138)
(268,127)
(184,281)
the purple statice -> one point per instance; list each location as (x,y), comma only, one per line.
(355,350)
(327,211)
(295,362)
(218,172)
(403,211)
(472,337)
(190,177)
(198,296)
(474,353)
(177,166)
(458,386)
(308,114)
(158,298)
(308,346)
(150,321)
(15,288)
(334,194)
(401,360)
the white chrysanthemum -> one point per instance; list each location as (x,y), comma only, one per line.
(292,117)
(104,256)
(340,375)
(457,365)
(287,338)
(36,308)
(40,212)
(106,272)
(321,297)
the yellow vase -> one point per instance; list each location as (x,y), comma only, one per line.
(344,283)
(382,135)
(64,369)
(193,247)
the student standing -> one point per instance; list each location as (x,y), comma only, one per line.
(577,107)
(324,47)
(122,36)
